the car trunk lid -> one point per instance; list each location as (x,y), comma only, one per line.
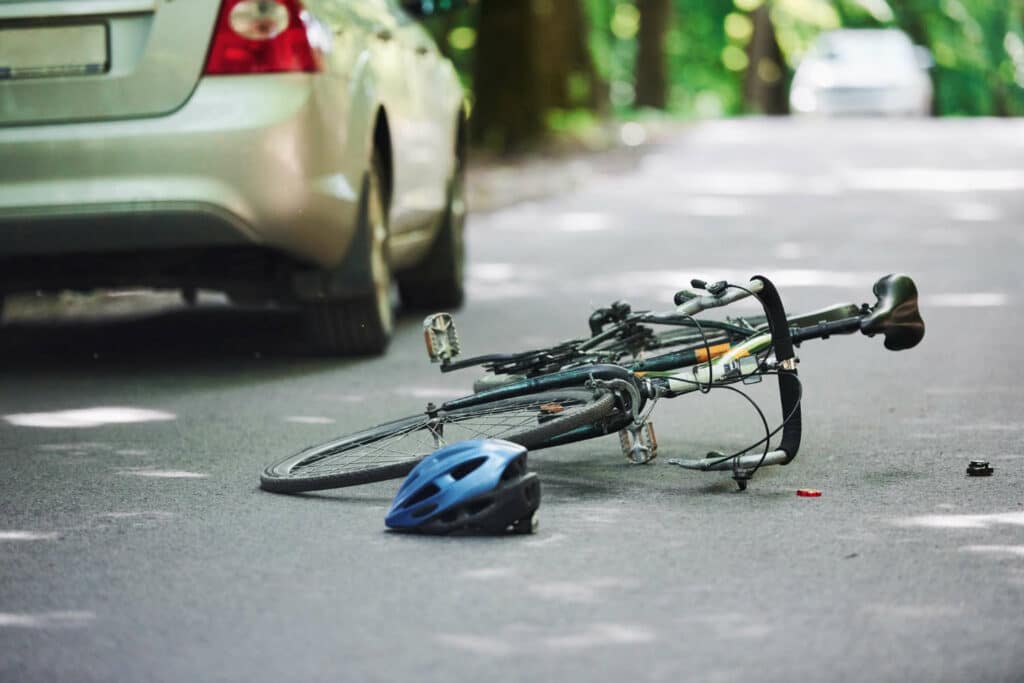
(78,60)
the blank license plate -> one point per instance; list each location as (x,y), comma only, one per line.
(39,52)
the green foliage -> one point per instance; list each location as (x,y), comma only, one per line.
(977,46)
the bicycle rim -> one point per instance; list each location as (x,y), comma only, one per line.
(391,450)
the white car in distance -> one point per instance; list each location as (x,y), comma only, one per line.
(851,72)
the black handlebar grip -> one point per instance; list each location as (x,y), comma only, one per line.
(789,385)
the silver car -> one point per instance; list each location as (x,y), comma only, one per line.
(304,152)
(863,72)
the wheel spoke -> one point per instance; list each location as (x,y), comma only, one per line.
(417,440)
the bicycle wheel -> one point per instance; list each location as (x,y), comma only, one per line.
(391,450)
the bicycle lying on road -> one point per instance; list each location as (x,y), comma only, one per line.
(609,383)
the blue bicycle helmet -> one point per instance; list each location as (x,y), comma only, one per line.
(477,486)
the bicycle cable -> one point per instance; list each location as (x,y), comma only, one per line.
(785,421)
(768,433)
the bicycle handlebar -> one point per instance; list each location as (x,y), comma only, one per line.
(789,385)
(693,303)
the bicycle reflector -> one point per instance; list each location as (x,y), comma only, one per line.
(441,337)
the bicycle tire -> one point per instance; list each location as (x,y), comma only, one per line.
(392,449)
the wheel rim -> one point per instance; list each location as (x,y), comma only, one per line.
(457,217)
(414,440)
(380,271)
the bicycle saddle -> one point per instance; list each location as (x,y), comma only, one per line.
(895,314)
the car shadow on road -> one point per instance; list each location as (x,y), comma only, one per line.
(221,340)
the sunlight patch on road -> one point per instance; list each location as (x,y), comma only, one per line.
(966,300)
(74,447)
(913,612)
(964,521)
(499,281)
(1017,550)
(46,619)
(431,392)
(945,237)
(477,645)
(712,207)
(963,391)
(583,221)
(600,635)
(19,535)
(144,515)
(88,417)
(935,179)
(974,212)
(309,420)
(163,474)
(489,574)
(740,183)
(578,591)
(791,251)
(664,283)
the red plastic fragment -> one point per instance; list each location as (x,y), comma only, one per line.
(808,493)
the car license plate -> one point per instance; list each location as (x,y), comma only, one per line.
(39,52)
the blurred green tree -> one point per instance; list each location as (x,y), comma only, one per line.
(532,66)
(651,64)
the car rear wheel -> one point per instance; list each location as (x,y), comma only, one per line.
(438,281)
(362,324)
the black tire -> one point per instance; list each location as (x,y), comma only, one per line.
(437,282)
(363,324)
(391,450)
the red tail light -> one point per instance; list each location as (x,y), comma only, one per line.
(264,36)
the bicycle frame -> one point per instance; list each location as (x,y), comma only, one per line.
(681,372)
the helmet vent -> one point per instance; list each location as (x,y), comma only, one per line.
(515,469)
(421,495)
(424,510)
(463,469)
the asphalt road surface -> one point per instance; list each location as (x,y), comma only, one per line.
(136,546)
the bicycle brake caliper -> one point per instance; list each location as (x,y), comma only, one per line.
(639,444)
(441,338)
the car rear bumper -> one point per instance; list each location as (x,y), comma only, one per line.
(247,161)
(859,101)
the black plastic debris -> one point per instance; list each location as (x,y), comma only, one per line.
(979,468)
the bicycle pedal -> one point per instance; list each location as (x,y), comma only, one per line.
(441,337)
(639,444)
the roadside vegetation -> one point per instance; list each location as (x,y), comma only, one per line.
(534,68)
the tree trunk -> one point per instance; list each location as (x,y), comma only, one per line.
(651,70)
(764,85)
(532,57)
(508,110)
